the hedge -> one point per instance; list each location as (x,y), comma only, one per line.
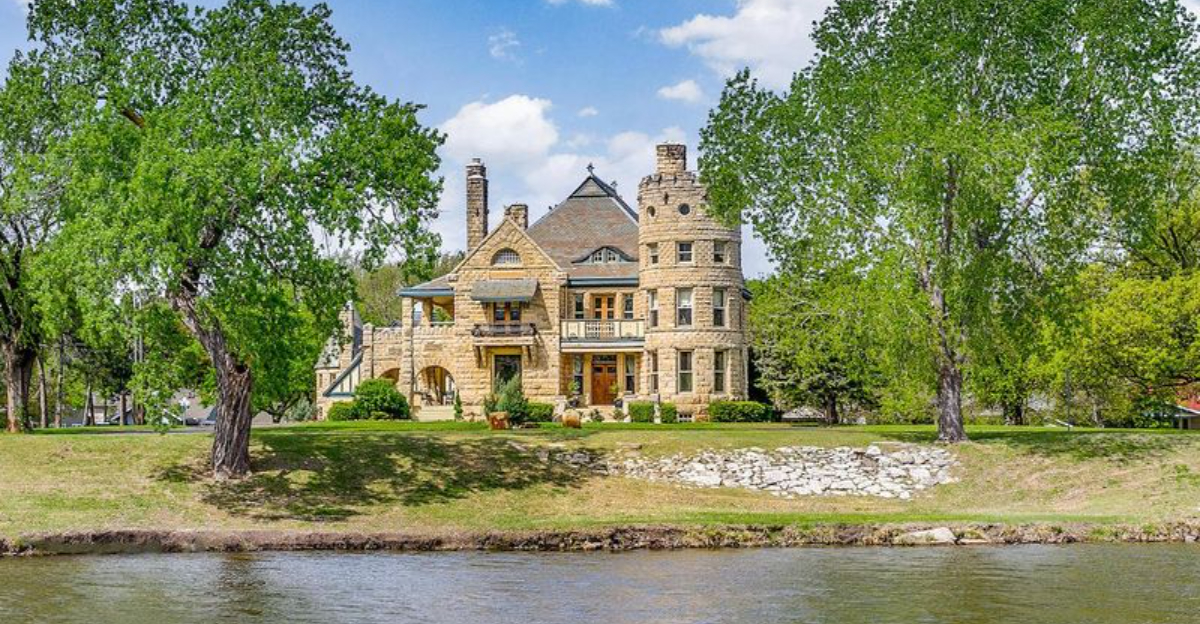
(342,410)
(739,411)
(378,399)
(643,412)
(540,412)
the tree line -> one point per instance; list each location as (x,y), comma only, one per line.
(974,202)
(178,186)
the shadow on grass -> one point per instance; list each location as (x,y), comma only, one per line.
(334,476)
(1120,446)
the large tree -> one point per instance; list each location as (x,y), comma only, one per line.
(963,144)
(225,156)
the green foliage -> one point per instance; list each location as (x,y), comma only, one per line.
(342,411)
(932,147)
(380,399)
(640,411)
(458,406)
(509,398)
(540,412)
(667,413)
(739,411)
(376,290)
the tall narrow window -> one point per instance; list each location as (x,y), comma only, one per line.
(720,362)
(685,371)
(653,308)
(577,374)
(630,374)
(718,252)
(683,307)
(579,306)
(683,252)
(718,307)
(654,372)
(653,252)
(627,306)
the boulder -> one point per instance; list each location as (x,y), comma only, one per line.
(940,536)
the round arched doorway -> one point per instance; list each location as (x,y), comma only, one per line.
(436,386)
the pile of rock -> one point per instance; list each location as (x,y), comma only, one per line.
(802,470)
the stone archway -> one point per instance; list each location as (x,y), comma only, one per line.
(435,386)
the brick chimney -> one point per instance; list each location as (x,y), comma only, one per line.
(518,213)
(672,158)
(477,203)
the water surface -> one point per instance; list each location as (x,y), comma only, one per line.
(1092,584)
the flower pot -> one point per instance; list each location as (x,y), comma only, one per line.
(498,420)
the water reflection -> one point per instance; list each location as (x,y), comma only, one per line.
(1143,584)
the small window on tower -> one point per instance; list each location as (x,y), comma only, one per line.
(684,209)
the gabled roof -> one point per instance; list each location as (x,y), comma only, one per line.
(593,216)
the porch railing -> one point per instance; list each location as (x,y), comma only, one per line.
(504,330)
(586,330)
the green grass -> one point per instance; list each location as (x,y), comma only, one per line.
(416,476)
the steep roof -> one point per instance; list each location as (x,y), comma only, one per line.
(593,216)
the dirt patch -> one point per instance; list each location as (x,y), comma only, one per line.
(612,539)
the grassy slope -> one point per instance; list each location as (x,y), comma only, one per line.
(415,477)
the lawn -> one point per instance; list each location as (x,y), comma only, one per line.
(425,477)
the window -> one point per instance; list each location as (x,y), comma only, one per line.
(718,307)
(685,371)
(627,307)
(653,252)
(653,294)
(577,374)
(506,312)
(505,367)
(506,257)
(683,252)
(630,374)
(684,209)
(683,307)
(654,372)
(604,255)
(579,307)
(720,361)
(718,252)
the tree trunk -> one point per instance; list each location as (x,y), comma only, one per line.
(43,400)
(122,408)
(949,400)
(61,391)
(831,410)
(1014,413)
(89,407)
(18,372)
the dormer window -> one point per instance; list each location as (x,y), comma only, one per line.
(506,257)
(604,255)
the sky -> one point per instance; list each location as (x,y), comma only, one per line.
(541,88)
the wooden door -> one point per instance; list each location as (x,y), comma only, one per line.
(604,381)
(604,307)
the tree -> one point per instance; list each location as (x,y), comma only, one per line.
(217,148)
(964,145)
(812,343)
(376,290)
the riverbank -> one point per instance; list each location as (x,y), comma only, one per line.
(614,539)
(458,486)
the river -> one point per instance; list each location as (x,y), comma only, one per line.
(1078,584)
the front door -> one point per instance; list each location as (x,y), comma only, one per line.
(604,307)
(604,379)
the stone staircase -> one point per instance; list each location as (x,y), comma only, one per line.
(428,413)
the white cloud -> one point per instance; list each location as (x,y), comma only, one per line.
(769,36)
(503,45)
(513,130)
(684,91)
(588,111)
(600,3)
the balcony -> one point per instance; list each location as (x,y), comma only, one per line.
(504,330)
(604,332)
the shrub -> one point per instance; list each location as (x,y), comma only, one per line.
(597,416)
(458,408)
(342,410)
(641,411)
(540,412)
(379,399)
(739,411)
(668,414)
(509,398)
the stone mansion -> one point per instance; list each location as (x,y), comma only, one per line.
(592,302)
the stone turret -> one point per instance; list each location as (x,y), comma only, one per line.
(477,203)
(686,255)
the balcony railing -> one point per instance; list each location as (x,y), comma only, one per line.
(602,330)
(504,330)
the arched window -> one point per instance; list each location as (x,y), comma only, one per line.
(506,257)
(604,255)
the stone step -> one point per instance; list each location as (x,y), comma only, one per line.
(435,412)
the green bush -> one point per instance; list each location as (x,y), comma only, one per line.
(739,411)
(668,414)
(378,399)
(640,411)
(509,398)
(458,407)
(342,410)
(540,412)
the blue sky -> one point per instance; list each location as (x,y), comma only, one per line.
(540,88)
